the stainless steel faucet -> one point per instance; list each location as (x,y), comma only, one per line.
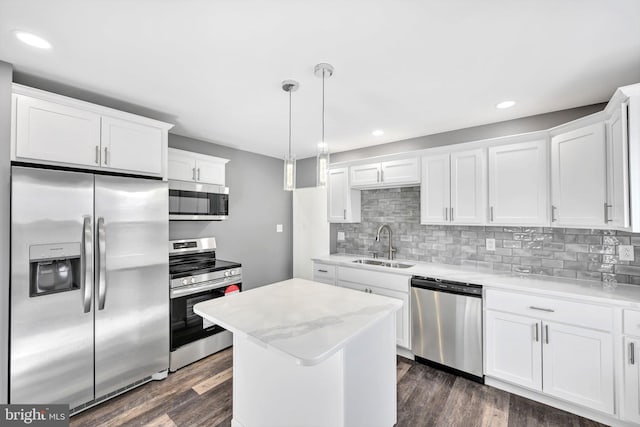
(391,248)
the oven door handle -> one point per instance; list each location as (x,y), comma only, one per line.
(189,290)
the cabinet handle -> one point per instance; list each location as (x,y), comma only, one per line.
(106,155)
(446,214)
(323,271)
(198,174)
(606,213)
(491,213)
(97,155)
(451,214)
(632,353)
(377,176)
(548,310)
(546,333)
(193,171)
(382,176)
(553,216)
(537,333)
(344,214)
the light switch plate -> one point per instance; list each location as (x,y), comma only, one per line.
(625,252)
(341,236)
(491,244)
(278,228)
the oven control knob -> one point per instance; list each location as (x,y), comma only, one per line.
(184,281)
(193,280)
(233,272)
(226,274)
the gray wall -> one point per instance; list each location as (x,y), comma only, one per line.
(5,225)
(561,252)
(257,203)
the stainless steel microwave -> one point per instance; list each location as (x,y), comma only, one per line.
(200,202)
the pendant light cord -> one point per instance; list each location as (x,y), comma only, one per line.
(323,148)
(289,123)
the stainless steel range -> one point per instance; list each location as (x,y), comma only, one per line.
(195,276)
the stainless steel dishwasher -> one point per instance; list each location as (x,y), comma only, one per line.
(446,325)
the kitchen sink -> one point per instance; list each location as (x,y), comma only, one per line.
(390,264)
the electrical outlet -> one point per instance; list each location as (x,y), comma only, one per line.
(491,244)
(279,228)
(340,236)
(625,252)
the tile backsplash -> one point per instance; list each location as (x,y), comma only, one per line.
(563,252)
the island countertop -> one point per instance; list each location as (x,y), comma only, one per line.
(305,320)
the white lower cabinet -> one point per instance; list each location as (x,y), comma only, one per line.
(559,360)
(324,273)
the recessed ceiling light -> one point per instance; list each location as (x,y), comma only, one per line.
(32,40)
(506,104)
(377,132)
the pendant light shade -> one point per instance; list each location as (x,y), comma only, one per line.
(289,159)
(324,71)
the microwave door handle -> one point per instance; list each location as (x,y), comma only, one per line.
(85,265)
(102,265)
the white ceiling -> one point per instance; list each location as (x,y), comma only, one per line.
(410,68)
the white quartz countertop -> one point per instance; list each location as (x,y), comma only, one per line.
(586,290)
(305,320)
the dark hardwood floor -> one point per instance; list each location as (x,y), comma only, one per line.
(200,395)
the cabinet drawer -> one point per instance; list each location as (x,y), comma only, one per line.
(558,310)
(324,271)
(631,323)
(394,282)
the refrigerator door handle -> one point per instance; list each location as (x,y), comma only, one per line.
(102,265)
(86,283)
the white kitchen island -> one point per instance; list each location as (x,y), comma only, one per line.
(310,354)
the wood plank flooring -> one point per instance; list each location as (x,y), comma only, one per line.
(200,395)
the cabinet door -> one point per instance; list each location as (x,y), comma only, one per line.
(468,187)
(405,171)
(56,133)
(631,407)
(210,171)
(512,349)
(364,175)
(434,190)
(129,146)
(402,315)
(181,165)
(618,169)
(338,193)
(578,177)
(518,183)
(578,365)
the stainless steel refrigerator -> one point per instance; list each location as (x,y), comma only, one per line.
(89,285)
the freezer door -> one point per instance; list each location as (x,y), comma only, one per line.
(132,281)
(51,355)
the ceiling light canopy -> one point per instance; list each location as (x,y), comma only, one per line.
(506,104)
(32,40)
(377,132)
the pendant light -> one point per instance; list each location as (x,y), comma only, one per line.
(290,159)
(325,71)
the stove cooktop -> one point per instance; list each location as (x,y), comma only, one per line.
(200,266)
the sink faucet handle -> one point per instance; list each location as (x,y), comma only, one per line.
(391,251)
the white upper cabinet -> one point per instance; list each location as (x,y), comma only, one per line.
(468,187)
(386,174)
(518,184)
(48,131)
(57,130)
(195,167)
(130,146)
(453,189)
(578,177)
(343,202)
(617,211)
(435,200)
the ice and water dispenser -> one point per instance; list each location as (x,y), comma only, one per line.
(54,268)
